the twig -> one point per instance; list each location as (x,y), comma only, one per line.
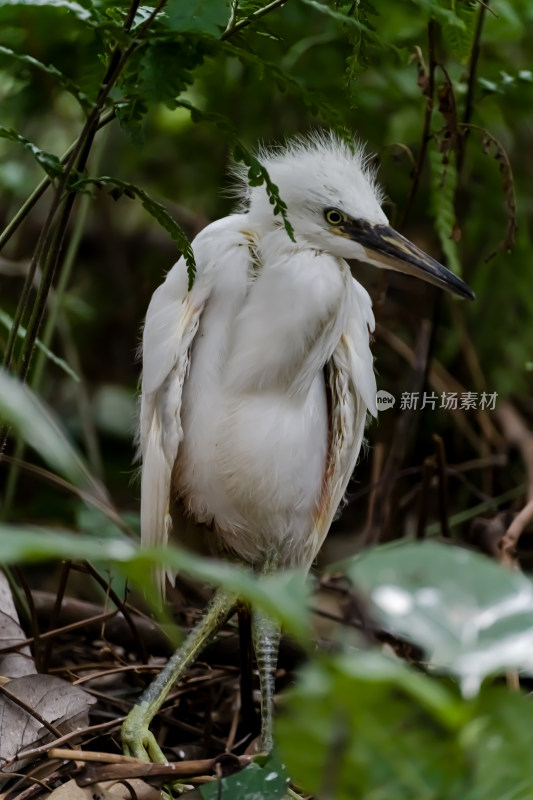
(427,81)
(54,616)
(443,485)
(380,518)
(442,381)
(376,469)
(91,755)
(243,23)
(119,604)
(73,626)
(110,766)
(471,81)
(38,192)
(506,173)
(106,508)
(36,752)
(428,470)
(513,534)
(517,434)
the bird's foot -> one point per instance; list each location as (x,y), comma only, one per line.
(137,739)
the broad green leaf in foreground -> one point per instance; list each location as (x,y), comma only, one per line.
(283,595)
(7,322)
(501,734)
(363,726)
(266,781)
(359,725)
(77,9)
(471,616)
(40,429)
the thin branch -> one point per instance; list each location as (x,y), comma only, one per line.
(429,91)
(443,485)
(513,534)
(517,434)
(428,471)
(243,23)
(471,80)
(378,524)
(232,17)
(36,752)
(38,192)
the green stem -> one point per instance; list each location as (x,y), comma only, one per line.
(426,130)
(55,303)
(38,192)
(243,23)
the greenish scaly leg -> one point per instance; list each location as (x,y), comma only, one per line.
(265,637)
(137,739)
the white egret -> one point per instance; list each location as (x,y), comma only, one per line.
(257,382)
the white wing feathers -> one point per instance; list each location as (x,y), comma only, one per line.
(171,322)
(352,385)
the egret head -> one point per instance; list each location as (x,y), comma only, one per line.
(334,205)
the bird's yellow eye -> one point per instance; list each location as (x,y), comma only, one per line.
(334,216)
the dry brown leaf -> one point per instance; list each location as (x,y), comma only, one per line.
(106,791)
(58,702)
(12,665)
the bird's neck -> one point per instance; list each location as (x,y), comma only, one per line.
(292,318)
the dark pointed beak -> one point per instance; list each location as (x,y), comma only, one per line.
(384,247)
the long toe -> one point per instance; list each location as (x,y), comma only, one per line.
(137,739)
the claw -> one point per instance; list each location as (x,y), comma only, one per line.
(137,739)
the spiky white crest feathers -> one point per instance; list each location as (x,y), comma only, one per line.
(314,172)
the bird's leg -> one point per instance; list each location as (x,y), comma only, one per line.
(265,637)
(137,739)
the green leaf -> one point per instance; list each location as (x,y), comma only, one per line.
(67,5)
(65,82)
(154,208)
(350,20)
(440,11)
(38,427)
(257,175)
(7,321)
(471,616)
(359,725)
(501,732)
(167,69)
(197,16)
(442,204)
(360,40)
(267,781)
(131,112)
(284,595)
(49,162)
(314,101)
(460,40)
